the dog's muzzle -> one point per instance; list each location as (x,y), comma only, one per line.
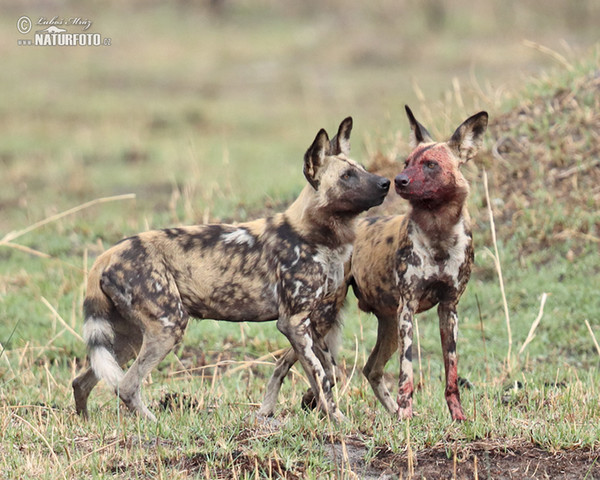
(401,182)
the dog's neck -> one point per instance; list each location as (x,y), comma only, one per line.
(317,225)
(437,220)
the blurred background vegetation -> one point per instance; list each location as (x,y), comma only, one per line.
(204,109)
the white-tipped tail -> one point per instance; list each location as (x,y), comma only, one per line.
(99,336)
(105,366)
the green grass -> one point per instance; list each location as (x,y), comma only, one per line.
(208,118)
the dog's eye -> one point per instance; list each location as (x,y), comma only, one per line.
(347,174)
(431,165)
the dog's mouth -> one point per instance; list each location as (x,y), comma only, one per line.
(380,200)
(409,189)
(409,194)
(405,192)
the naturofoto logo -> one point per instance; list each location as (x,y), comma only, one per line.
(58,31)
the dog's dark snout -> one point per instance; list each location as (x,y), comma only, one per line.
(402,181)
(384,184)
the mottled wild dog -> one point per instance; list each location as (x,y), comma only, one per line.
(142,292)
(403,265)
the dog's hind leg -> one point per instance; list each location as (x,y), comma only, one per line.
(125,346)
(83,384)
(386,345)
(156,311)
(163,330)
(449,332)
(285,362)
(129,390)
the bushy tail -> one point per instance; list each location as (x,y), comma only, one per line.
(99,336)
(98,331)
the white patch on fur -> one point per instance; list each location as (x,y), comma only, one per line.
(239,236)
(295,262)
(333,261)
(430,268)
(158,287)
(319,292)
(166,321)
(298,285)
(297,259)
(454,319)
(98,330)
(309,355)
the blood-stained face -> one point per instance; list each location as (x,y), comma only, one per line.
(431,173)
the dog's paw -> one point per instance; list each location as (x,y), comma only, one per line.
(309,400)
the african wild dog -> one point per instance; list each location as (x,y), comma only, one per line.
(142,291)
(403,265)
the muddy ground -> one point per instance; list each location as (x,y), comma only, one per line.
(471,461)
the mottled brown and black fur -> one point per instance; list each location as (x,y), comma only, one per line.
(142,292)
(403,265)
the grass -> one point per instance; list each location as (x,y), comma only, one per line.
(218,133)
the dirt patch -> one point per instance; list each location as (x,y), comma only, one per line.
(240,464)
(471,461)
(474,460)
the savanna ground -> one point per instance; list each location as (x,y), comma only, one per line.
(204,115)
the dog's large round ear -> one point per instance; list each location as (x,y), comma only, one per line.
(313,158)
(341,142)
(418,133)
(468,137)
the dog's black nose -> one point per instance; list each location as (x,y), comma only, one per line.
(384,184)
(402,181)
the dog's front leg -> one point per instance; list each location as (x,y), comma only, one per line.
(449,333)
(405,340)
(327,359)
(326,348)
(297,329)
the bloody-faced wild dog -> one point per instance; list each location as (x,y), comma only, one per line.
(403,265)
(142,292)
